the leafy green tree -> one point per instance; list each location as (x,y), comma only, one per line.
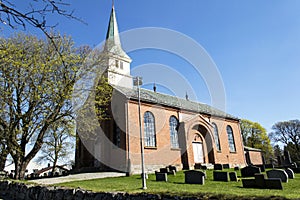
(288,133)
(36,86)
(255,136)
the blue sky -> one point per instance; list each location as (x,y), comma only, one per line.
(255,45)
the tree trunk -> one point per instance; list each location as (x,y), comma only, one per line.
(3,157)
(20,170)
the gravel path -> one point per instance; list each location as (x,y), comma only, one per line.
(77,177)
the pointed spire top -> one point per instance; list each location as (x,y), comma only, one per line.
(113,3)
(113,44)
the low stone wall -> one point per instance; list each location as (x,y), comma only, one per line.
(19,191)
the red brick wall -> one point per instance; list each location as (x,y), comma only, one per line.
(163,154)
(255,157)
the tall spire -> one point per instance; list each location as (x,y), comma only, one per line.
(113,44)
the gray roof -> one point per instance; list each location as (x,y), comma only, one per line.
(172,101)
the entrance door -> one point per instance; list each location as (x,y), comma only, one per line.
(198,152)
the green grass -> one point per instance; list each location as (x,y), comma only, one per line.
(176,186)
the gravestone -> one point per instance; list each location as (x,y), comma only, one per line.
(197,166)
(218,167)
(260,180)
(287,158)
(204,167)
(262,167)
(236,168)
(249,183)
(233,176)
(161,176)
(171,167)
(164,170)
(279,160)
(194,177)
(249,171)
(220,176)
(278,173)
(226,166)
(290,173)
(273,183)
(269,166)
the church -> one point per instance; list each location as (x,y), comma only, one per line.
(175,131)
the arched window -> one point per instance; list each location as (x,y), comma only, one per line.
(173,132)
(230,139)
(149,130)
(216,135)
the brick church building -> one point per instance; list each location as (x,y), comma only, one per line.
(175,131)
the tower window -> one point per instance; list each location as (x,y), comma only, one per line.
(121,65)
(117,63)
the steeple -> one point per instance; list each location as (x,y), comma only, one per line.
(116,61)
(113,43)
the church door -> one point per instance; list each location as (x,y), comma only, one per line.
(198,152)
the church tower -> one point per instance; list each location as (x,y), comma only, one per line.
(117,61)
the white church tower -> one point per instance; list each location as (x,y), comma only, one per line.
(117,61)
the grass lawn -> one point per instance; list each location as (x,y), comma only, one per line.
(176,186)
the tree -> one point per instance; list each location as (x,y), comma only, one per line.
(35,14)
(35,92)
(58,143)
(288,133)
(255,136)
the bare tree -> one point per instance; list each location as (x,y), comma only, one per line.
(288,133)
(58,143)
(35,15)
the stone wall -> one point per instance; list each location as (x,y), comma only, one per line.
(20,191)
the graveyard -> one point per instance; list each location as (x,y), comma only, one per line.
(212,185)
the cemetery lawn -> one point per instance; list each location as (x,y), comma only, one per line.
(176,186)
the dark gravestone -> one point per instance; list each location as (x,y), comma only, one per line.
(233,176)
(262,167)
(236,168)
(194,177)
(290,173)
(273,183)
(287,158)
(220,176)
(296,170)
(226,166)
(197,166)
(269,166)
(279,160)
(204,167)
(260,180)
(278,173)
(164,170)
(249,183)
(218,167)
(161,176)
(171,167)
(249,171)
